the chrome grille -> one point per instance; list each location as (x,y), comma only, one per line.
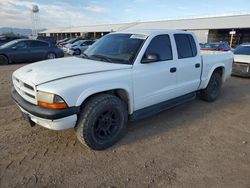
(25,90)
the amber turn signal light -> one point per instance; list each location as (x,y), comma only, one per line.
(52,105)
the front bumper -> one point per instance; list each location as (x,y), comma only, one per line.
(51,119)
(241,69)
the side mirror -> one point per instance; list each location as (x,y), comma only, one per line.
(150,58)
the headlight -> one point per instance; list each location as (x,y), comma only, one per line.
(50,100)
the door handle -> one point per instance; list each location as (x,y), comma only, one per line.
(173,69)
(197,65)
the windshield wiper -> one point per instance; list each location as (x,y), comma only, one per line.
(103,58)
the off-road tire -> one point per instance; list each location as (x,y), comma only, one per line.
(213,89)
(89,121)
(4,60)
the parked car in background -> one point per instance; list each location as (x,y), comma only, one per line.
(202,45)
(71,41)
(63,40)
(241,65)
(50,39)
(79,47)
(6,39)
(26,50)
(69,45)
(216,46)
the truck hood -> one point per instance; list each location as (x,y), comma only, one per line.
(49,70)
(242,58)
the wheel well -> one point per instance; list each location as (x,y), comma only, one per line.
(6,57)
(120,93)
(220,70)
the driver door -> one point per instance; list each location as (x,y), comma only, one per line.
(20,52)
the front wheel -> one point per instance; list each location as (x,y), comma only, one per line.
(213,89)
(3,60)
(102,121)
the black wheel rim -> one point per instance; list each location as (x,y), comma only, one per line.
(107,124)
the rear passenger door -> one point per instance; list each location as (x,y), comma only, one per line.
(39,50)
(188,64)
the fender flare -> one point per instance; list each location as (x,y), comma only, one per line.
(107,87)
(219,65)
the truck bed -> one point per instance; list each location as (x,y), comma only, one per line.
(212,58)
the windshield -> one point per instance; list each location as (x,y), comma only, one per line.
(9,44)
(78,42)
(242,50)
(116,48)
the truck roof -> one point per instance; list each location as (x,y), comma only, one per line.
(149,32)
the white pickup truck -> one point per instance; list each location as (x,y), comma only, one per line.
(124,76)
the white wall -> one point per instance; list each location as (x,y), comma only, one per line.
(202,35)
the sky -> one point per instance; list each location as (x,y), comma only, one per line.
(66,13)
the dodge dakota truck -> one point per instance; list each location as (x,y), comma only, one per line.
(124,76)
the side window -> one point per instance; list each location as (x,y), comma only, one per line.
(38,44)
(161,46)
(193,45)
(22,45)
(186,46)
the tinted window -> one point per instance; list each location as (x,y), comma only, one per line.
(22,45)
(186,46)
(242,50)
(193,45)
(37,44)
(161,46)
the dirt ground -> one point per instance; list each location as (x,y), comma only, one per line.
(197,144)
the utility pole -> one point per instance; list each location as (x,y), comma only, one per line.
(232,33)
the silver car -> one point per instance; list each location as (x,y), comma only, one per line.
(79,47)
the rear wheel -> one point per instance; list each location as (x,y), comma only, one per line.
(3,60)
(102,121)
(51,55)
(213,89)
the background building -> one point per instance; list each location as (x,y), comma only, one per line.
(207,29)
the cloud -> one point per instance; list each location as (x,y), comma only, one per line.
(17,13)
(96,9)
